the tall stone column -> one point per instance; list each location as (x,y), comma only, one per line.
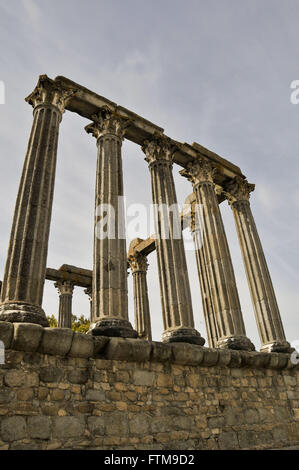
(224,294)
(88,292)
(173,275)
(139,265)
(25,270)
(260,285)
(206,294)
(65,289)
(109,283)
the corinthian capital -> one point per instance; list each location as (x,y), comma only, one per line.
(160,149)
(199,171)
(64,287)
(48,92)
(238,189)
(106,122)
(138,262)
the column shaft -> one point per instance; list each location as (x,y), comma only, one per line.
(206,294)
(138,264)
(65,289)
(222,283)
(263,297)
(173,275)
(109,283)
(25,270)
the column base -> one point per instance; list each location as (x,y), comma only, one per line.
(182,335)
(16,312)
(236,342)
(114,327)
(277,346)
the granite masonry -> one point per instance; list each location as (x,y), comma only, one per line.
(65,390)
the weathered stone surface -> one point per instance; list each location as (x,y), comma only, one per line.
(96,425)
(184,353)
(78,376)
(143,377)
(99,344)
(94,403)
(6,333)
(13,428)
(228,440)
(95,395)
(82,345)
(65,427)
(210,357)
(161,352)
(39,427)
(6,396)
(278,361)
(128,350)
(50,374)
(15,378)
(27,336)
(56,341)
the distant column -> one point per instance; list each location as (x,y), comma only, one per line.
(138,264)
(88,292)
(65,289)
(263,297)
(109,283)
(173,275)
(25,270)
(225,298)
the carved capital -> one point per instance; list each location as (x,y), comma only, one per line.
(160,149)
(238,189)
(49,93)
(199,171)
(106,122)
(138,262)
(64,287)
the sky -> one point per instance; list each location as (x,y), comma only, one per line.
(215,72)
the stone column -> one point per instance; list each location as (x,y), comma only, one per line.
(25,270)
(65,289)
(109,283)
(138,264)
(88,292)
(206,295)
(173,275)
(261,289)
(224,294)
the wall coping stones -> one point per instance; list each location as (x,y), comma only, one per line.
(30,337)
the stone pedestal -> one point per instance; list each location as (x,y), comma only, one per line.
(25,270)
(173,276)
(261,289)
(138,264)
(65,289)
(221,278)
(109,283)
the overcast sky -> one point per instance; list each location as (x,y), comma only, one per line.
(217,72)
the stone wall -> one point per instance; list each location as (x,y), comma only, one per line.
(65,390)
